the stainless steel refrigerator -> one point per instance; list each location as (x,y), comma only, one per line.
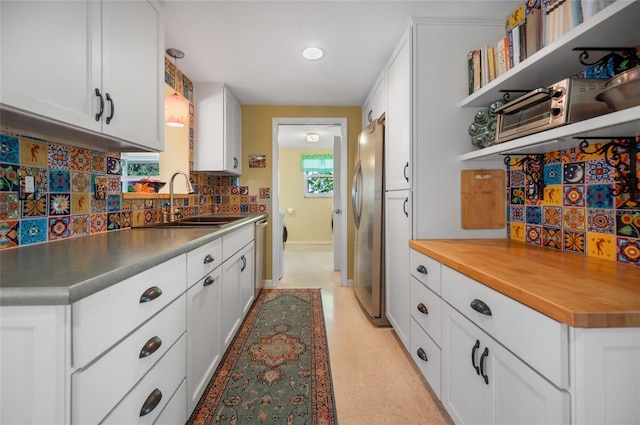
(367,197)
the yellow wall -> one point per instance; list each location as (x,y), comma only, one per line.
(175,155)
(310,220)
(256,139)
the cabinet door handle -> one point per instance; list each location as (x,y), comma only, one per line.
(422,354)
(473,356)
(422,269)
(151,402)
(113,108)
(404,207)
(480,307)
(483,359)
(208,281)
(244,263)
(422,308)
(208,259)
(150,294)
(150,347)
(369,115)
(99,114)
(235,162)
(406,167)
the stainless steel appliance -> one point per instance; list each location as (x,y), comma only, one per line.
(565,102)
(367,195)
(259,249)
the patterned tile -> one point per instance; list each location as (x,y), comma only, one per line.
(553,195)
(552,174)
(80,225)
(235,190)
(601,221)
(79,159)
(574,242)
(113,221)
(552,216)
(113,165)
(629,250)
(59,228)
(98,223)
(628,223)
(601,246)
(35,207)
(125,220)
(9,206)
(572,155)
(58,156)
(574,219)
(9,149)
(98,163)
(573,196)
(9,178)
(80,203)
(552,238)
(59,181)
(534,215)
(600,196)
(598,171)
(516,196)
(534,235)
(33,231)
(98,205)
(114,185)
(113,203)
(573,173)
(518,214)
(33,153)
(80,182)
(41,176)
(9,234)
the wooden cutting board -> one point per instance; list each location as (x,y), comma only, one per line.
(483,199)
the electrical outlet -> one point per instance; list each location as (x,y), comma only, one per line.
(29,184)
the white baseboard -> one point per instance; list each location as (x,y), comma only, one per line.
(308,243)
(269,282)
(349,282)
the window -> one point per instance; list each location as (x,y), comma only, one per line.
(136,166)
(318,175)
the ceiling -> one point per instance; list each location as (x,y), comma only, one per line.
(255,46)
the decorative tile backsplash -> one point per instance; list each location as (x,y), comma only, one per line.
(581,209)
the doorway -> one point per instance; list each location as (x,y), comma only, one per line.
(338,210)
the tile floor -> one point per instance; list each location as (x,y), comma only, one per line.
(374,378)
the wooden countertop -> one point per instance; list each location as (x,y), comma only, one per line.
(577,290)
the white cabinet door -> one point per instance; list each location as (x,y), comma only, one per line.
(233,133)
(51,59)
(203,334)
(397,274)
(398,116)
(230,306)
(132,64)
(247,278)
(375,105)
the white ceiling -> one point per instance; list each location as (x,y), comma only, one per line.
(255,46)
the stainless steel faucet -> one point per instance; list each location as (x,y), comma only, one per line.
(172,210)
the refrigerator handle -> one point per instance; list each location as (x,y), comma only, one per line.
(356,196)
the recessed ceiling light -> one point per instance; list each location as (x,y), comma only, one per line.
(312,53)
(313,137)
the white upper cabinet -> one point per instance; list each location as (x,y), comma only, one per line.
(218,136)
(84,71)
(376,102)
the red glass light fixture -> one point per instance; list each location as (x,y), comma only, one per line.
(176,107)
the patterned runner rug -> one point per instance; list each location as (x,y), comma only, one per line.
(276,370)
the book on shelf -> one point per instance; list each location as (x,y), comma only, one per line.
(533,27)
(473,64)
(491,57)
(516,17)
(501,59)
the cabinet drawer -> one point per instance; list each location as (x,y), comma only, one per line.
(203,260)
(535,338)
(163,379)
(431,367)
(426,270)
(234,242)
(424,300)
(176,410)
(96,390)
(97,324)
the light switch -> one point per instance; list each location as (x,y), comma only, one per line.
(29,184)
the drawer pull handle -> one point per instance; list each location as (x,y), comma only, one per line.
(150,294)
(480,307)
(113,108)
(208,281)
(422,269)
(422,354)
(150,347)
(209,259)
(422,308)
(404,172)
(473,356)
(151,402)
(483,359)
(99,114)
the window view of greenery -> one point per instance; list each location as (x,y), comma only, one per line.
(319,184)
(317,169)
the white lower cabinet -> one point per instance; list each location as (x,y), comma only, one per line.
(483,383)
(237,291)
(247,278)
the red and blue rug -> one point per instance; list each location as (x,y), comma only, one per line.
(276,370)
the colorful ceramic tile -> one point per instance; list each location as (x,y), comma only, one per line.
(80,182)
(601,221)
(148,216)
(125,220)
(600,196)
(79,159)
(33,153)
(58,156)
(517,178)
(517,231)
(574,219)
(552,238)
(59,181)
(41,176)
(217,199)
(113,221)
(59,204)
(148,203)
(573,173)
(137,218)
(35,207)
(533,215)
(598,171)
(225,208)
(9,149)
(33,231)
(516,196)
(113,203)
(552,217)
(98,205)
(518,214)
(9,177)
(98,223)
(113,165)
(225,190)
(80,203)
(253,208)
(9,234)
(98,163)
(572,155)
(553,195)
(628,250)
(574,242)
(224,200)
(244,208)
(253,199)
(127,204)
(628,223)
(58,228)
(552,174)
(234,190)
(601,245)
(114,185)
(224,181)
(235,208)
(9,206)
(99,187)
(262,208)
(244,190)
(573,196)
(80,225)
(534,235)
(551,157)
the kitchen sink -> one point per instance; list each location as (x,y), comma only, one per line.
(205,220)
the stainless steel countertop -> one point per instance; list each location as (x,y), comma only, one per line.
(63,272)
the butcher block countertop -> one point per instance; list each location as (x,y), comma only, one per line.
(577,290)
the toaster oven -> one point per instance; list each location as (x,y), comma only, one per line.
(565,102)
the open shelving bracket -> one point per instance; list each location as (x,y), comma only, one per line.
(533,167)
(626,170)
(628,52)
